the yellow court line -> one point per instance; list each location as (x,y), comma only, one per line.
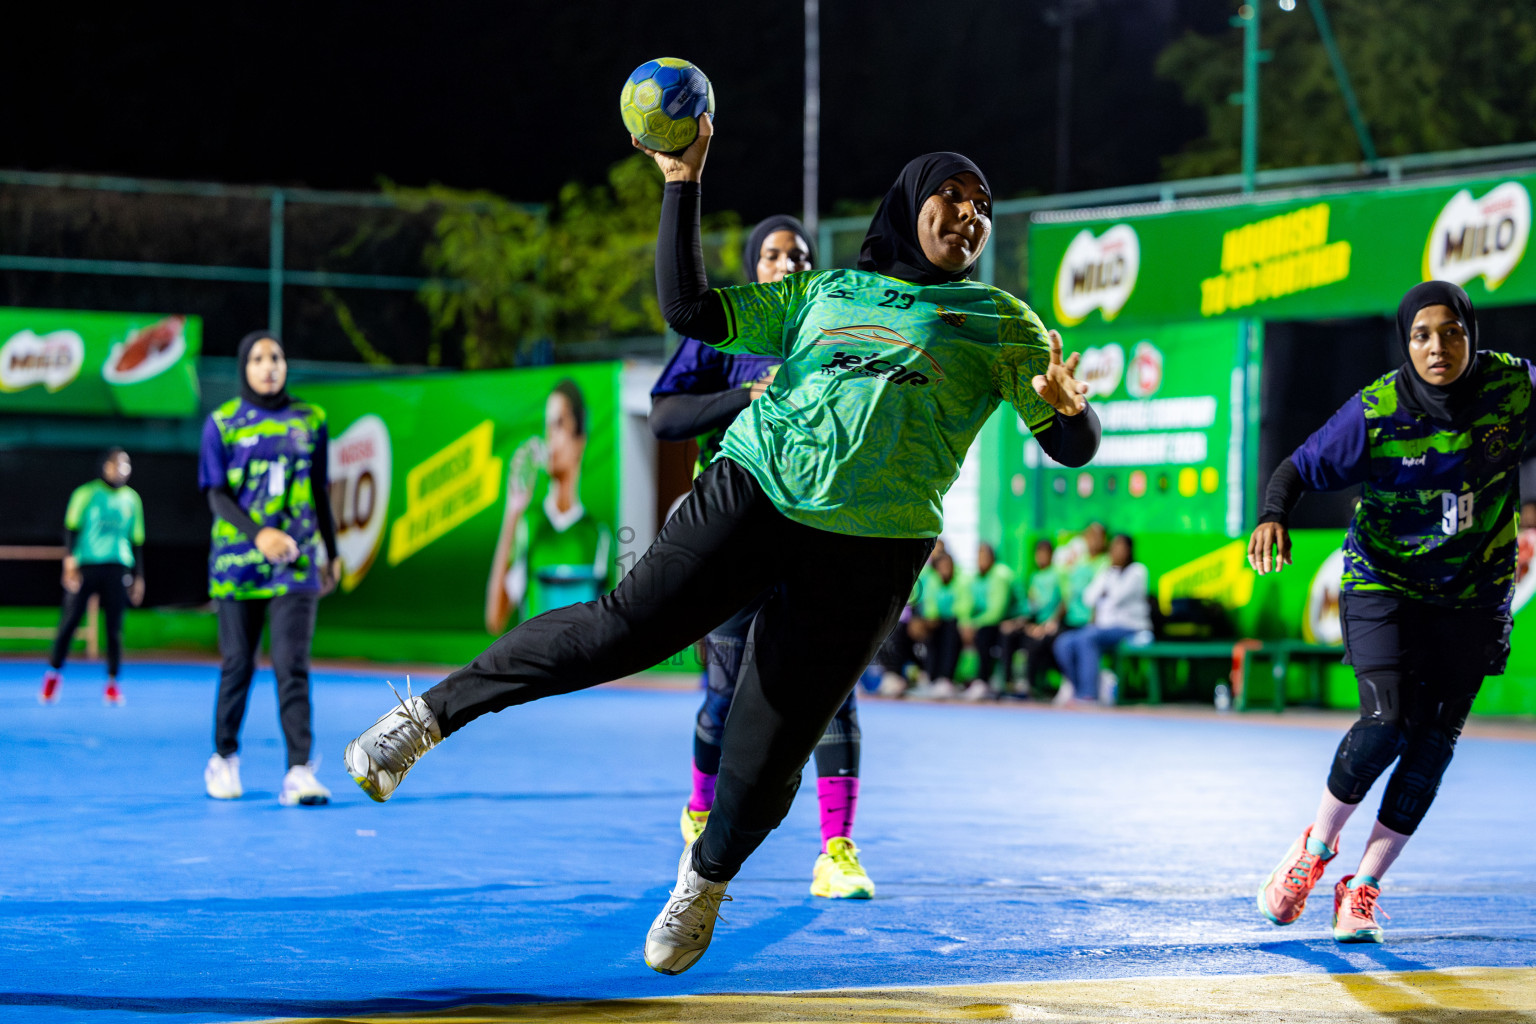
(1473,995)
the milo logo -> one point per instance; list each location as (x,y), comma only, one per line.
(52,360)
(1479,237)
(1097,273)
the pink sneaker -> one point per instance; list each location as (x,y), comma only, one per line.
(1354,913)
(112,696)
(1283,896)
(50,691)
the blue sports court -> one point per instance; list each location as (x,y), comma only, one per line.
(524,859)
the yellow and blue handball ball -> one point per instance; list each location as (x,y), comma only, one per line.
(662,101)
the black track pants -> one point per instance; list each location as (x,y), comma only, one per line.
(111,581)
(828,601)
(291,619)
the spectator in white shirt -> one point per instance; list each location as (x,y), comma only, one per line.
(1118,597)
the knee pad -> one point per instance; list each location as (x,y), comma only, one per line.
(1364,753)
(1414,784)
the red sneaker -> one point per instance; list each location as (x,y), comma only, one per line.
(1283,896)
(50,691)
(112,695)
(1354,913)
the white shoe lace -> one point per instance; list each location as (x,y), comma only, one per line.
(687,914)
(401,745)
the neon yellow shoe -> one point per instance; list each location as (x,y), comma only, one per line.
(839,875)
(693,824)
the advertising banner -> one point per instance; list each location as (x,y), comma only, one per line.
(1170,401)
(1344,254)
(468,502)
(104,364)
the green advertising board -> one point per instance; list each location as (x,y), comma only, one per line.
(103,364)
(1325,254)
(1177,441)
(467,502)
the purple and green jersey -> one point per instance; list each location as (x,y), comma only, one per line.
(267,459)
(1439,510)
(697,369)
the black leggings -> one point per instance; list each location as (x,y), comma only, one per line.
(111,581)
(837,753)
(829,600)
(291,621)
(1419,667)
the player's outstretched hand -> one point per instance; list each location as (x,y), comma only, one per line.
(1261,548)
(687,165)
(1057,386)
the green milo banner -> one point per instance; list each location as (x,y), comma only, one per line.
(125,364)
(1352,253)
(1171,401)
(466,503)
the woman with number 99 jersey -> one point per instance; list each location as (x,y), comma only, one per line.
(1429,572)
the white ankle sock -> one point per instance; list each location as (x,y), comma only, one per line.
(1332,813)
(1380,851)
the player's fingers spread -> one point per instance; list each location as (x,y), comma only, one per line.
(1072,360)
(1054,340)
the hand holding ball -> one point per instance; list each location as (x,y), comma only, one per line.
(662,101)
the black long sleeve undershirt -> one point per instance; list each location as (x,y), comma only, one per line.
(222,501)
(683,417)
(324,518)
(682,287)
(1072,440)
(1285,490)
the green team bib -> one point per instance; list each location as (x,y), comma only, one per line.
(108,522)
(883,388)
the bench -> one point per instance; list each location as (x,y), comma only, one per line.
(1280,654)
(1145,661)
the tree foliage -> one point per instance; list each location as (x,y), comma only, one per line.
(512,276)
(1429,76)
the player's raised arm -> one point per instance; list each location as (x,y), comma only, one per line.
(1072,435)
(682,288)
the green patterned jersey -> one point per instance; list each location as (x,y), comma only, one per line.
(1439,507)
(266,457)
(1079,613)
(108,523)
(883,387)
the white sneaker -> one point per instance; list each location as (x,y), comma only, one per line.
(681,932)
(944,689)
(1065,695)
(978,690)
(379,759)
(221,778)
(301,787)
(1109,687)
(892,684)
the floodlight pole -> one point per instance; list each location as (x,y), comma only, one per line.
(811,156)
(1356,118)
(1248,20)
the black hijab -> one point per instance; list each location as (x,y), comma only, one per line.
(1441,403)
(891,247)
(107,456)
(242,358)
(754,247)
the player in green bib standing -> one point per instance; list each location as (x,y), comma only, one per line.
(826,496)
(699,394)
(263,470)
(103,535)
(1429,573)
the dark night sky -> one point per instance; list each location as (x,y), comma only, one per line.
(519,97)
